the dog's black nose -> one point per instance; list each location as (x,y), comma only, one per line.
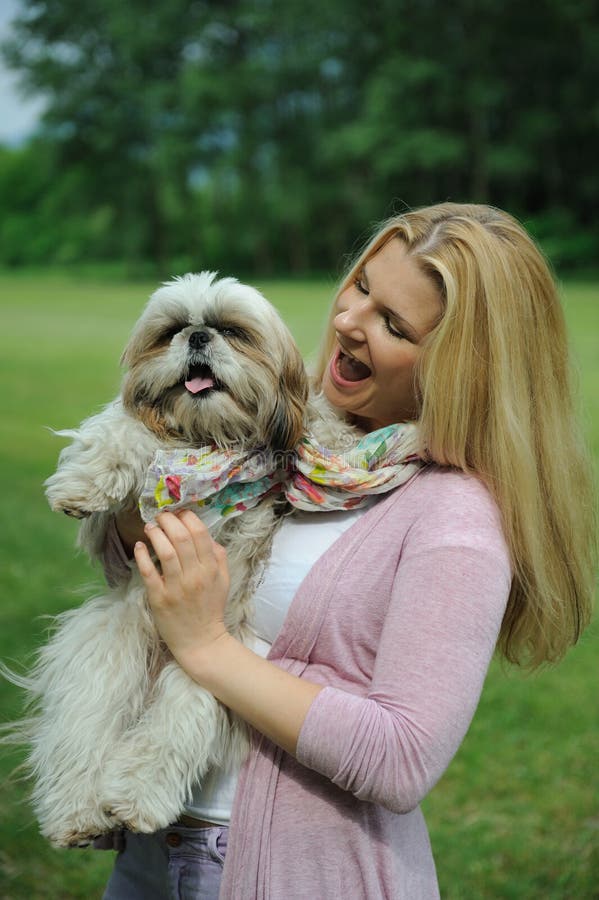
(197,338)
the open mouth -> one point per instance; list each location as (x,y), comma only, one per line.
(346,370)
(201,380)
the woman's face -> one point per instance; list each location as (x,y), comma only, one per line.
(381,319)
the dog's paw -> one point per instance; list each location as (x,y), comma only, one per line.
(78,499)
(74,839)
(141,819)
(145,815)
(73,511)
(77,833)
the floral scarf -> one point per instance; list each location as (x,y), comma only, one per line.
(219,483)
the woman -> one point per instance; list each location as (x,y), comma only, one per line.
(449,317)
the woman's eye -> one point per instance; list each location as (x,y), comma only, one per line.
(359,284)
(394,331)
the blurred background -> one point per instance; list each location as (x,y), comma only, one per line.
(265,137)
(141,140)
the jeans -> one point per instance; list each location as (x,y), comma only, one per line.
(177,863)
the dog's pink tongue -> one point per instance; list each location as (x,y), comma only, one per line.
(195,385)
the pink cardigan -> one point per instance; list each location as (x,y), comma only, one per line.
(399,619)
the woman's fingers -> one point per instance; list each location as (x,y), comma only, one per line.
(148,570)
(164,549)
(200,536)
(188,598)
(183,545)
(189,536)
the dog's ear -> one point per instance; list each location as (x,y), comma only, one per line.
(288,416)
(132,349)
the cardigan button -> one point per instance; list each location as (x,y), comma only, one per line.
(173,839)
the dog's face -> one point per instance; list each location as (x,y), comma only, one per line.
(210,360)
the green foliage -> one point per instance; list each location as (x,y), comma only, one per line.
(566,245)
(262,137)
(44,218)
(514,816)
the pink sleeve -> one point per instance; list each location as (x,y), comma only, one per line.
(441,627)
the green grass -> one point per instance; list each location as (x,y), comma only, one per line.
(515,816)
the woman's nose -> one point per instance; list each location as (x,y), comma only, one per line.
(350,323)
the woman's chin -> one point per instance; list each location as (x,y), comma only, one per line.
(340,401)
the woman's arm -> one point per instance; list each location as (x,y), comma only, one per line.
(444,614)
(187,602)
(392,746)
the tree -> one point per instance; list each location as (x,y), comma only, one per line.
(257,135)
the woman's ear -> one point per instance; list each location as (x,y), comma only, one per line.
(288,416)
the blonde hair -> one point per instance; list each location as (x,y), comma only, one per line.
(496,400)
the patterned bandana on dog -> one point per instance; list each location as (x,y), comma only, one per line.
(222,483)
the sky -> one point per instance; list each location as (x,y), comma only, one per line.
(18,117)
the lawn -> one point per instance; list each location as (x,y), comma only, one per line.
(516,814)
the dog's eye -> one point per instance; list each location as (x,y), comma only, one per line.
(231,331)
(166,336)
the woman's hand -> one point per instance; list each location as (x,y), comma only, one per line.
(187,602)
(188,599)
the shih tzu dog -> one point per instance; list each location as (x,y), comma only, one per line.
(118,732)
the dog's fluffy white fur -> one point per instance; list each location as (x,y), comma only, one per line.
(119,733)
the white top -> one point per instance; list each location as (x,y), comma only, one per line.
(297,545)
